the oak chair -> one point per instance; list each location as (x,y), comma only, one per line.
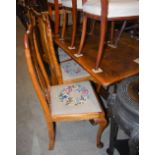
(66,71)
(72,102)
(103,10)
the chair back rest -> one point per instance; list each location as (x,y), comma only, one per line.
(46,41)
(52,54)
(37,71)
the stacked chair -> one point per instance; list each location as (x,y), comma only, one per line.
(104,10)
(75,101)
(63,72)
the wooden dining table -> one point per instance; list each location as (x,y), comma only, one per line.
(117,63)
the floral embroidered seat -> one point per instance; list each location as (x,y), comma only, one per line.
(74,98)
(62,55)
(72,71)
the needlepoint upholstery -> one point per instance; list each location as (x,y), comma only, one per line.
(76,98)
(62,55)
(72,70)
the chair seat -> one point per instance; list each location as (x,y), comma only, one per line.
(116,8)
(72,70)
(68,3)
(76,98)
(62,55)
(52,1)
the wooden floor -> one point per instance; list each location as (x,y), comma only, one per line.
(117,64)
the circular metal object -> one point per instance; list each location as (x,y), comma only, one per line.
(128,96)
(124,105)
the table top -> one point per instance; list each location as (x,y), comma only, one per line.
(117,64)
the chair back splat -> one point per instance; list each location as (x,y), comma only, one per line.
(37,72)
(44,35)
(52,55)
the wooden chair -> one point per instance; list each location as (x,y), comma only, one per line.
(103,10)
(34,16)
(73,102)
(74,6)
(64,72)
